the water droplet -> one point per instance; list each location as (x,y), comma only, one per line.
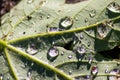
(70,56)
(106,70)
(66,22)
(81,50)
(103,30)
(70,72)
(8,78)
(114,72)
(53,52)
(81,36)
(29,73)
(1,77)
(90,59)
(94,70)
(86,20)
(87,77)
(88,44)
(92,13)
(53,29)
(30,1)
(31,49)
(114,7)
(48,17)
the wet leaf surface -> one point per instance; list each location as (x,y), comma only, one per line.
(60,40)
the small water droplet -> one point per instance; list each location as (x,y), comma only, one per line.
(70,72)
(114,7)
(29,74)
(53,29)
(87,77)
(88,44)
(1,76)
(81,50)
(70,56)
(30,1)
(106,70)
(8,78)
(86,20)
(90,59)
(92,13)
(53,52)
(31,49)
(66,22)
(81,36)
(114,72)
(94,70)
(48,17)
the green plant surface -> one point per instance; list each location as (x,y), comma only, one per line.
(60,40)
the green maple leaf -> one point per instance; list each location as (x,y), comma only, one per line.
(59,40)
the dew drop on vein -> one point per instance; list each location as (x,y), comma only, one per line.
(92,13)
(114,7)
(30,1)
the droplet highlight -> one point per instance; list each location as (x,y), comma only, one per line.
(30,1)
(94,70)
(92,13)
(32,49)
(66,22)
(114,7)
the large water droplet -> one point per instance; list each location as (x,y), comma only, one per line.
(53,52)
(94,70)
(114,7)
(31,49)
(115,72)
(30,1)
(92,13)
(66,22)
(103,30)
(81,50)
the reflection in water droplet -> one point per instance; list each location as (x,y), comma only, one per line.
(70,72)
(66,22)
(53,29)
(70,56)
(32,49)
(53,52)
(94,70)
(1,77)
(81,50)
(29,1)
(115,72)
(114,7)
(92,13)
